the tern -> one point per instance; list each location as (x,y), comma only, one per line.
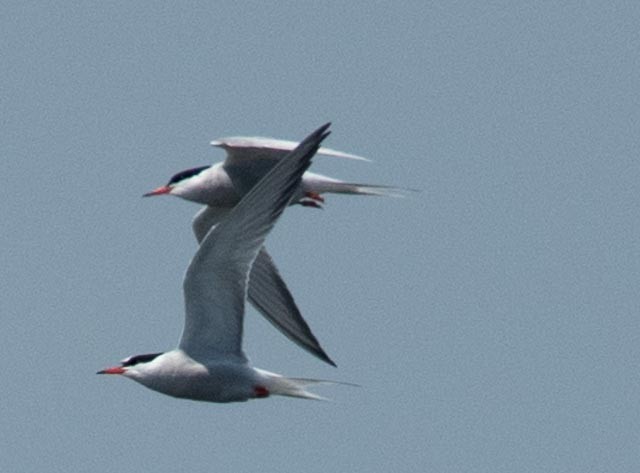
(222,185)
(209,363)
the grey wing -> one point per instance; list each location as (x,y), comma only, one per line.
(250,158)
(206,218)
(246,148)
(268,292)
(215,284)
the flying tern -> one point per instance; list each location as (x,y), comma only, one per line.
(209,363)
(223,184)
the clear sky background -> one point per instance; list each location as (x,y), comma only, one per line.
(492,320)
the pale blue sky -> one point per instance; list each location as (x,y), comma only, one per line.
(492,320)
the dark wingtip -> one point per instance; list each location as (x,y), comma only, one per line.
(322,355)
(319,352)
(330,361)
(323,131)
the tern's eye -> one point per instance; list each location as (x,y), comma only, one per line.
(134,360)
(186,174)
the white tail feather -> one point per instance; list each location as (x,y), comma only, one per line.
(295,387)
(366,189)
(320,184)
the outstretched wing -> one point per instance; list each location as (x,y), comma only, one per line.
(268,292)
(241,149)
(215,285)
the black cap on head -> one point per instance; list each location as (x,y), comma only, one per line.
(186,174)
(134,360)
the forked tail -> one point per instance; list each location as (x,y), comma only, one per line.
(319,184)
(278,385)
(366,189)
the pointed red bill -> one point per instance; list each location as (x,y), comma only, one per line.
(159,191)
(114,370)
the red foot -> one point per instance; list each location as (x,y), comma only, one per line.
(310,203)
(261,391)
(314,196)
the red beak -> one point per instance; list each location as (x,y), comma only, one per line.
(159,191)
(114,370)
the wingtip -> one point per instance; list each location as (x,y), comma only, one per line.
(316,137)
(324,357)
(323,131)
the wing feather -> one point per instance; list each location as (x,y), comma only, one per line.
(242,148)
(215,285)
(268,292)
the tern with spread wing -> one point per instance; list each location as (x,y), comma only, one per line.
(209,363)
(222,185)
